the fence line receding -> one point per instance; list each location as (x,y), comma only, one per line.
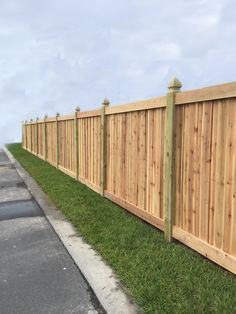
(169,160)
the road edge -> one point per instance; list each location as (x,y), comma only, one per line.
(99,275)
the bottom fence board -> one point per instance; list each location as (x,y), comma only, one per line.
(41,156)
(66,171)
(157,222)
(52,163)
(35,154)
(90,185)
(216,255)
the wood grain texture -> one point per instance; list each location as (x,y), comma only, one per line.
(169,177)
(223,91)
(41,141)
(157,222)
(51,141)
(135,158)
(205,162)
(218,256)
(89,149)
(66,145)
(206,174)
(159,102)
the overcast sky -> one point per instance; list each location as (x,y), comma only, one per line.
(56,54)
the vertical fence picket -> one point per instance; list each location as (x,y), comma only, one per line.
(45,137)
(37,136)
(26,137)
(31,135)
(105,104)
(57,140)
(77,110)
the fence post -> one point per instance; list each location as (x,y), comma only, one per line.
(31,136)
(103,145)
(57,140)
(77,109)
(23,135)
(169,189)
(45,137)
(26,137)
(37,136)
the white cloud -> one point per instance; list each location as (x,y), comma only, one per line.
(57,54)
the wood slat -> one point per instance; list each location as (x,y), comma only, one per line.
(159,223)
(89,114)
(159,102)
(205,162)
(207,94)
(208,250)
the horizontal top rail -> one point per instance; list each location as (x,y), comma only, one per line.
(53,119)
(210,93)
(40,121)
(158,102)
(31,122)
(221,91)
(88,114)
(62,118)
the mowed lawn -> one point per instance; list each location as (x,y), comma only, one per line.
(161,277)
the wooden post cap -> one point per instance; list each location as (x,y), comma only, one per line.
(31,120)
(57,114)
(37,118)
(45,117)
(106,102)
(77,109)
(174,85)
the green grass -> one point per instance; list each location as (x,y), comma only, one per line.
(160,277)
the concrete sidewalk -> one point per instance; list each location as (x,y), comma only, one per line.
(37,275)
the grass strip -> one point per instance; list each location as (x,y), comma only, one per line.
(161,277)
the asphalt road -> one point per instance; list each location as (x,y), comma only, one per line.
(37,275)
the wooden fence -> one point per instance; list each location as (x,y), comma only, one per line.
(169,160)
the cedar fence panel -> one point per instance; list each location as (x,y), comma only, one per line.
(34,138)
(89,151)
(169,160)
(206,174)
(24,135)
(51,142)
(41,140)
(28,137)
(66,146)
(135,144)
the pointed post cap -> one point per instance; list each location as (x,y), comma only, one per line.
(77,109)
(37,118)
(174,85)
(106,102)
(31,120)
(57,114)
(45,117)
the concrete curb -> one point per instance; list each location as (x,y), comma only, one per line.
(98,274)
